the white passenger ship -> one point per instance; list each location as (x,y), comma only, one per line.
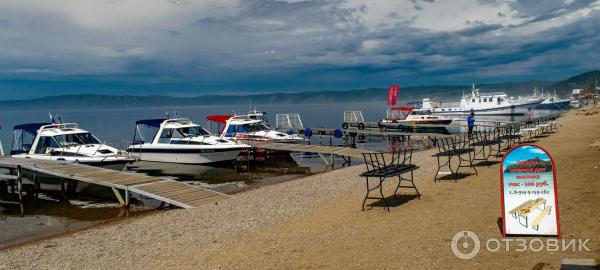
(496,103)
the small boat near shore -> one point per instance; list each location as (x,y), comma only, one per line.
(496,103)
(180,141)
(399,117)
(550,101)
(244,127)
(65,142)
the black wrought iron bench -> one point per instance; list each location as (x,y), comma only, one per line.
(450,147)
(486,139)
(510,135)
(382,166)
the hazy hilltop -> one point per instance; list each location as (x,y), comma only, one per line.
(582,80)
(413,93)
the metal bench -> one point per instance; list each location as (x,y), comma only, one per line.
(486,139)
(510,135)
(450,147)
(398,164)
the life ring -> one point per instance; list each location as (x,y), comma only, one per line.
(361,126)
(345,125)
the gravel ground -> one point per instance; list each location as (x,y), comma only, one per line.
(165,234)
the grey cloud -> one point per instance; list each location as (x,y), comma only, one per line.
(306,42)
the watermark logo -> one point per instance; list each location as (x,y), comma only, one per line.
(465,245)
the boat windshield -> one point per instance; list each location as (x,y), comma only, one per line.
(74,139)
(180,133)
(253,127)
(191,132)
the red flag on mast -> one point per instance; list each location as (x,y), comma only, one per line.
(393,94)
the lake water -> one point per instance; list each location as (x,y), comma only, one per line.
(52,214)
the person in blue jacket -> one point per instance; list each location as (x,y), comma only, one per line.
(471,122)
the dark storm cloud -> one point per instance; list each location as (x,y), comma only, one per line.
(294,45)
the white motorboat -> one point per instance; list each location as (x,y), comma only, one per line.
(497,103)
(180,141)
(64,142)
(411,117)
(575,104)
(242,127)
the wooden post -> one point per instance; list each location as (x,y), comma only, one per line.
(36,186)
(63,189)
(126,198)
(20,183)
(11,182)
(119,197)
(332,161)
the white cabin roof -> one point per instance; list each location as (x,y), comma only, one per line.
(179,123)
(61,129)
(242,121)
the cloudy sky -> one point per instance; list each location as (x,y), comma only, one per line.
(185,47)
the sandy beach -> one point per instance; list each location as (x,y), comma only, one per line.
(316,222)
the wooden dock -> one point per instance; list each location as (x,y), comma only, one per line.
(375,132)
(322,149)
(169,191)
(346,153)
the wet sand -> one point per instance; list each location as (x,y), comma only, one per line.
(316,222)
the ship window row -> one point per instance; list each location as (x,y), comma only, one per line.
(499,100)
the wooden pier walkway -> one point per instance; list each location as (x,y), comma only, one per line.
(376,132)
(169,191)
(321,149)
(346,153)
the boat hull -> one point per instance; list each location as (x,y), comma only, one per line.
(416,123)
(560,105)
(108,163)
(191,156)
(517,109)
(112,165)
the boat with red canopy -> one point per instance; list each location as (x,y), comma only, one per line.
(248,128)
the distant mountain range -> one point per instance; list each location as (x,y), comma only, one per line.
(413,93)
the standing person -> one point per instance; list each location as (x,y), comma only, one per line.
(471,122)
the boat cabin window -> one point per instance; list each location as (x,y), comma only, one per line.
(67,140)
(245,128)
(44,143)
(472,100)
(425,112)
(179,133)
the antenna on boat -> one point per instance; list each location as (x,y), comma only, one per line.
(1,148)
(473,91)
